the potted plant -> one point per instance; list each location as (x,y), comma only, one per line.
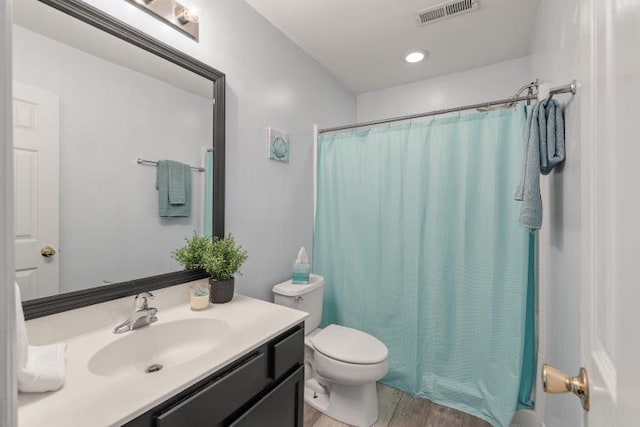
(222,262)
(221,258)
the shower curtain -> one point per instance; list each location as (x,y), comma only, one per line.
(418,238)
(208,194)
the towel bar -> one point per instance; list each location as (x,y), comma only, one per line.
(154,163)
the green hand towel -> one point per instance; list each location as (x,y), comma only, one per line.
(174,186)
(177,183)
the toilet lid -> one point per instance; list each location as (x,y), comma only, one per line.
(349,345)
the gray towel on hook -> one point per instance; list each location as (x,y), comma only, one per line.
(552,147)
(543,151)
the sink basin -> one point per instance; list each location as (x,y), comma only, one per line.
(158,346)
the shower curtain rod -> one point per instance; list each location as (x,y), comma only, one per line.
(568,88)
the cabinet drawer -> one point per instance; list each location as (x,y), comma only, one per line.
(287,353)
(216,401)
(281,407)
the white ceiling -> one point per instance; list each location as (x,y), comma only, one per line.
(363,42)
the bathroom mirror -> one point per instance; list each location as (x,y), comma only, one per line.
(96,105)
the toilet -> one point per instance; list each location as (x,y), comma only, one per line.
(342,365)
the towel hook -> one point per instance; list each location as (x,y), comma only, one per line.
(529,95)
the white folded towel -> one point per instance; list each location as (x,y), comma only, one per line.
(40,368)
(44,370)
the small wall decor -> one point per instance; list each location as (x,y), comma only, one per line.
(278,145)
(173,13)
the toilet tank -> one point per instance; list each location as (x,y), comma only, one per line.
(306,298)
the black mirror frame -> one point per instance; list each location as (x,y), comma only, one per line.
(58,303)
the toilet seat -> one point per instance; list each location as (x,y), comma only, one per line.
(349,345)
(345,373)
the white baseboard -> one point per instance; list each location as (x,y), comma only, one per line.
(527,418)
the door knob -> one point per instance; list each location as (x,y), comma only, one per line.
(556,381)
(47,252)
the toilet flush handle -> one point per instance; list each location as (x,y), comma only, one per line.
(298,300)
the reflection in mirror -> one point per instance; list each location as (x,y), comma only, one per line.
(87,105)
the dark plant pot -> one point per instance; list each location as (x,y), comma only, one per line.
(221,290)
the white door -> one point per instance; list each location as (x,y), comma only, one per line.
(36,154)
(610,126)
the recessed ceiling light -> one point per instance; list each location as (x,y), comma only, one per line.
(415,56)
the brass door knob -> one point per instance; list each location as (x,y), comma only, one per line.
(556,381)
(47,252)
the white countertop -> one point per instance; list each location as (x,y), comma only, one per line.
(91,400)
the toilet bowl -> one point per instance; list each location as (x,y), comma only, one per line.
(342,365)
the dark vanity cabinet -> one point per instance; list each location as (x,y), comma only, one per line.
(263,388)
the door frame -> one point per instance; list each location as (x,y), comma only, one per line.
(8,390)
(597,68)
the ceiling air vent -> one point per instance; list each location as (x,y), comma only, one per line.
(445,10)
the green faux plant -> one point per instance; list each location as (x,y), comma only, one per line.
(224,259)
(193,254)
(221,258)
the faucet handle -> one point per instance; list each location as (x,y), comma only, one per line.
(145,295)
(141,300)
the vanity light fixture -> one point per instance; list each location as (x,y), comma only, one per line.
(173,13)
(416,56)
(185,16)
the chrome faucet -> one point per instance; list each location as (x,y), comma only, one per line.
(142,314)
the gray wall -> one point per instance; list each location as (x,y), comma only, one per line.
(270,82)
(467,87)
(554,58)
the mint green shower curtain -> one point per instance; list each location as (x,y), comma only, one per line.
(418,238)
(208,195)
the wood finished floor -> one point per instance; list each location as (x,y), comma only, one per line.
(397,409)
